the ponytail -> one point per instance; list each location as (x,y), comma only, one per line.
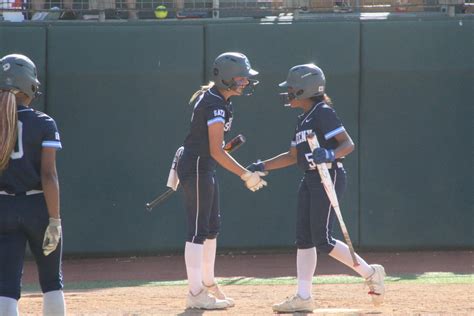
(322,98)
(8,127)
(201,91)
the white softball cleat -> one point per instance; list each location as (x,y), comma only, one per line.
(295,304)
(217,292)
(204,300)
(376,284)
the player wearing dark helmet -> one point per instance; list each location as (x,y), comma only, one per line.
(306,86)
(211,119)
(29,190)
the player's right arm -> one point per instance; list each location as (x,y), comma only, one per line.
(216,138)
(282,160)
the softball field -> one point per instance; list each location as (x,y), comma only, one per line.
(418,283)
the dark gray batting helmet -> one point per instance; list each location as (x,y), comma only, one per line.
(306,81)
(18,73)
(230,65)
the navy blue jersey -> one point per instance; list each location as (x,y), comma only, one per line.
(209,108)
(322,120)
(35,131)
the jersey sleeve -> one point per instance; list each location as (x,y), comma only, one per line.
(216,114)
(51,136)
(329,123)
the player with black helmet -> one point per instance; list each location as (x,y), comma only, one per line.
(29,190)
(211,119)
(306,85)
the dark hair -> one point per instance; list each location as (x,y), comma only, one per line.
(322,98)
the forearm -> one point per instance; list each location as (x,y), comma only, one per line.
(51,193)
(228,162)
(281,161)
(344,149)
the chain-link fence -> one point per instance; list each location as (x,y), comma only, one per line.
(19,10)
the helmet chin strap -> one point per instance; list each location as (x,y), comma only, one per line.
(246,91)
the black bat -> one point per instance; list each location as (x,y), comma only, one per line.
(232,145)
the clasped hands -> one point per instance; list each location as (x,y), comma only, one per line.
(252,177)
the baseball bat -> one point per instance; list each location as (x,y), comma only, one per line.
(331,193)
(232,145)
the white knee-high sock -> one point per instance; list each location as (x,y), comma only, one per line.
(341,253)
(208,262)
(53,303)
(8,306)
(306,260)
(193,258)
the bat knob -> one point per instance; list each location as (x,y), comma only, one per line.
(148,207)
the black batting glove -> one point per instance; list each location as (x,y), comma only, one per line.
(256,166)
(322,155)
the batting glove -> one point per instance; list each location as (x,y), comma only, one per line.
(253,180)
(322,155)
(52,235)
(256,166)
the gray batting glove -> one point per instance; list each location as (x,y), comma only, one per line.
(253,180)
(52,235)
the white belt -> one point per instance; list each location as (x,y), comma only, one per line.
(31,192)
(338,164)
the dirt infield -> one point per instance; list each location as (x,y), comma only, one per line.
(403,298)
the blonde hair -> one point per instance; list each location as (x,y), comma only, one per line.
(201,91)
(8,127)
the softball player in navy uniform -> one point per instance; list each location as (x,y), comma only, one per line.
(203,151)
(29,190)
(315,216)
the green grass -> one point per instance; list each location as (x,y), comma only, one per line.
(426,278)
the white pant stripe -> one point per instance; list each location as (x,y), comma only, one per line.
(197,199)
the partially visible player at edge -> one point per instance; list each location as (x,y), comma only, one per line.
(315,216)
(211,119)
(29,190)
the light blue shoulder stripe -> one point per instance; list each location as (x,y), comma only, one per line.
(215,120)
(334,132)
(52,144)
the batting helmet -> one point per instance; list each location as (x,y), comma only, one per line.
(229,65)
(306,81)
(18,74)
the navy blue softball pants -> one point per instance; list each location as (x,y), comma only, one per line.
(24,219)
(201,197)
(315,216)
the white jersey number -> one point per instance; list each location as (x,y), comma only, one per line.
(19,144)
(311,163)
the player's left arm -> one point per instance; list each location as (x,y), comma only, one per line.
(345,145)
(49,181)
(330,126)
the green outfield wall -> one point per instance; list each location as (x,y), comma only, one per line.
(119,93)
